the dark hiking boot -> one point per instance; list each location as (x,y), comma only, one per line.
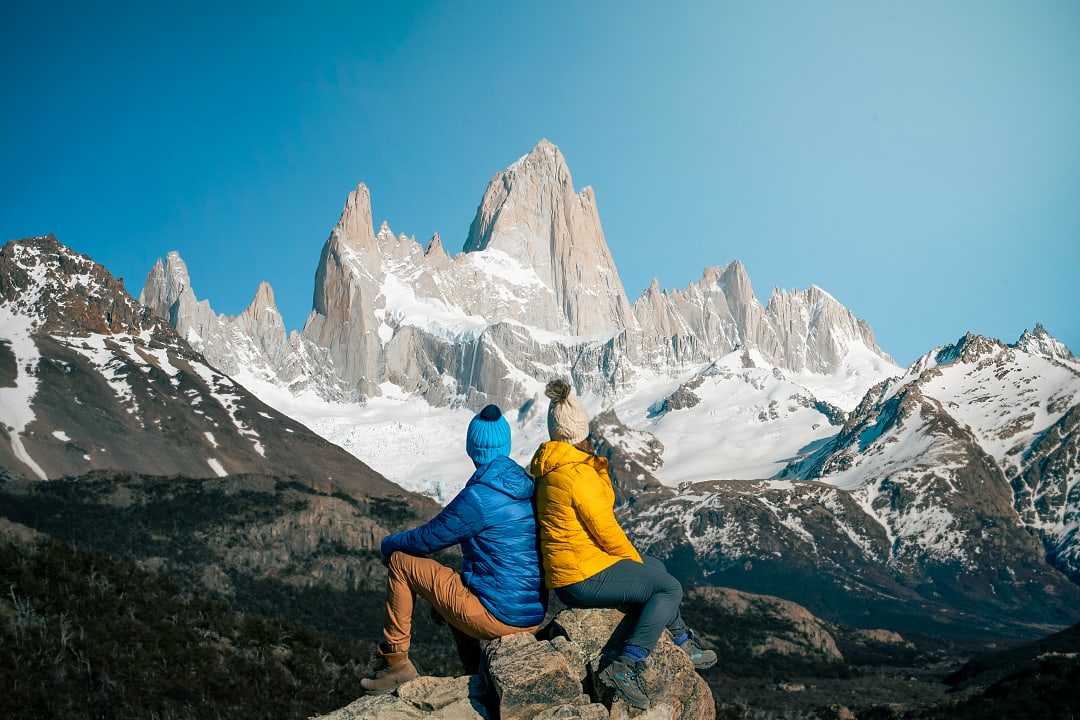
(627,679)
(398,670)
(703,659)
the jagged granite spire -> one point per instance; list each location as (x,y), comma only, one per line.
(798,329)
(531,212)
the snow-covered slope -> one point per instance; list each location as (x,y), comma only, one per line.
(738,418)
(92,380)
(972,430)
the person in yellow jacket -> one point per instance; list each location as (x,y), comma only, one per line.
(588,560)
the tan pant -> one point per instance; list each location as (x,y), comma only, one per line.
(442,587)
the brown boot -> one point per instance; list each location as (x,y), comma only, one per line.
(399,670)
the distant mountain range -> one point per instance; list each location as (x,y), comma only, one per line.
(772,447)
(90,379)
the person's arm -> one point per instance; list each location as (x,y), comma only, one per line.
(458,521)
(598,518)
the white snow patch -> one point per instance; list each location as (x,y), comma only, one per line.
(228,395)
(15,402)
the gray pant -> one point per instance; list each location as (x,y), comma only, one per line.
(647,590)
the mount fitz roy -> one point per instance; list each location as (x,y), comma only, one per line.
(775,448)
(535,292)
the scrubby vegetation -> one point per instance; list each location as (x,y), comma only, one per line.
(87,636)
(114,618)
(1047,690)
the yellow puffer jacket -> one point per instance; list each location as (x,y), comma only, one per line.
(575,508)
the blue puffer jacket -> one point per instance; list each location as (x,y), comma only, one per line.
(494,520)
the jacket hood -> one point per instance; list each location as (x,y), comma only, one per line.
(506,476)
(556,453)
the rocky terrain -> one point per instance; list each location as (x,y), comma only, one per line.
(90,379)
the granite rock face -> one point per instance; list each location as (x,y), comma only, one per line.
(531,212)
(530,676)
(534,292)
(799,330)
(525,678)
(254,343)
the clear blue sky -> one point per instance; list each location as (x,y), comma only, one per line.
(921,161)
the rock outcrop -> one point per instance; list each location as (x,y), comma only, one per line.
(551,676)
(782,627)
(457,698)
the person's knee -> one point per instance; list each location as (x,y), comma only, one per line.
(397,561)
(672,587)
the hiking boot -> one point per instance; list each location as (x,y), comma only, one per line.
(703,659)
(398,670)
(628,681)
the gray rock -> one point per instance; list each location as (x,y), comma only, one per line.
(431,698)
(580,711)
(376,707)
(529,675)
(434,693)
(657,711)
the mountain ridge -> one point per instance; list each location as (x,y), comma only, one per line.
(459,330)
(94,380)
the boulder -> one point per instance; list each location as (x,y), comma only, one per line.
(670,678)
(431,698)
(583,711)
(658,711)
(375,707)
(552,678)
(530,675)
(435,693)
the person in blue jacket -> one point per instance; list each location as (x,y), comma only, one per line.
(500,590)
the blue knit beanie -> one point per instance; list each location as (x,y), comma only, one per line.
(488,436)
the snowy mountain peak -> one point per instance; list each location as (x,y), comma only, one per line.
(545,157)
(968,348)
(531,213)
(1040,342)
(354,228)
(799,330)
(62,290)
(736,282)
(263,300)
(90,380)
(435,254)
(167,281)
